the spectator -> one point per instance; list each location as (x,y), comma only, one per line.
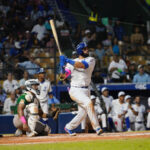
(50,45)
(119,31)
(115,47)
(87,37)
(11,101)
(40,29)
(141,76)
(9,84)
(30,66)
(53,100)
(101,31)
(22,81)
(18,91)
(137,40)
(109,28)
(3,96)
(132,70)
(117,69)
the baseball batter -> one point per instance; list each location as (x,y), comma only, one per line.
(81,70)
(45,92)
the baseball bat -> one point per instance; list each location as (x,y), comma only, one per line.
(55,35)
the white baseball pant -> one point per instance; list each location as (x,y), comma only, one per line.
(82,97)
(118,122)
(102,117)
(45,108)
(139,126)
(148,121)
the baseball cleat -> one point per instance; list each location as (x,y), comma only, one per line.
(69,132)
(99,131)
(18,132)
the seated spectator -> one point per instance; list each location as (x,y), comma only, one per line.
(30,66)
(40,29)
(117,69)
(141,76)
(50,45)
(115,47)
(3,96)
(137,40)
(53,100)
(18,91)
(22,81)
(11,101)
(108,40)
(9,84)
(87,37)
(132,70)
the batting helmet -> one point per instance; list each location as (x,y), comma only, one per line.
(80,47)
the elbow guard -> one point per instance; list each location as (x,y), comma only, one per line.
(86,65)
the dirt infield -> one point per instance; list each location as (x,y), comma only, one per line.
(53,138)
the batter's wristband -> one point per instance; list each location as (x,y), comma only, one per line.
(23,120)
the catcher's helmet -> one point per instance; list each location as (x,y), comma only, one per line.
(29,87)
(80,48)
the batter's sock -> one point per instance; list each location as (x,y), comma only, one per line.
(127,121)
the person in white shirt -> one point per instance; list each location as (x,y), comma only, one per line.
(9,84)
(23,80)
(139,112)
(108,104)
(118,111)
(117,68)
(129,116)
(11,101)
(80,70)
(100,114)
(148,116)
(39,29)
(45,92)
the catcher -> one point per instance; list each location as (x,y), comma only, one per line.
(27,114)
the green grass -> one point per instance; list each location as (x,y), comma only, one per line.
(125,144)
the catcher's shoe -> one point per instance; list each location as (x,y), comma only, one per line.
(99,131)
(69,132)
(32,134)
(18,132)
